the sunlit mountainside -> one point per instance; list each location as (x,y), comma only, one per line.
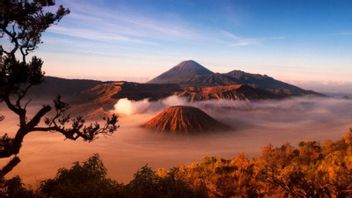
(184,119)
(188,80)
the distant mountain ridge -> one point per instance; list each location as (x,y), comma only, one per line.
(180,74)
(188,79)
(226,92)
(54,86)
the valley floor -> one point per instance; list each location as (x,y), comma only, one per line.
(131,147)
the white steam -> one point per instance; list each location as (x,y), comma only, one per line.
(131,107)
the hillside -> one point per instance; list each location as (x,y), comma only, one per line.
(99,100)
(140,91)
(181,73)
(254,80)
(68,88)
(265,82)
(96,101)
(227,92)
(190,73)
(184,120)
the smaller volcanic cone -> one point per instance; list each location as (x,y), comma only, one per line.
(184,119)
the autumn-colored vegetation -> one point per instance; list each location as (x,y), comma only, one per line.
(311,169)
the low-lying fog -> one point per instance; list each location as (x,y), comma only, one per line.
(255,124)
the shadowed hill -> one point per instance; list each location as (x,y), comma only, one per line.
(139,91)
(257,81)
(264,82)
(68,88)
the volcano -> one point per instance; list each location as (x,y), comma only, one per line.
(181,73)
(184,120)
(190,73)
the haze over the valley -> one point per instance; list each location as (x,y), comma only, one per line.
(255,124)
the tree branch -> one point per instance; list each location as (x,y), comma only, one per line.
(9,166)
(77,129)
(21,94)
(19,111)
(36,119)
(13,39)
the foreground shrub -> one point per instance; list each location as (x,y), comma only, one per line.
(81,180)
(89,179)
(14,187)
(147,183)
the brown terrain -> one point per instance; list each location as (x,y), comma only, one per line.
(96,101)
(140,91)
(96,98)
(227,92)
(99,100)
(184,120)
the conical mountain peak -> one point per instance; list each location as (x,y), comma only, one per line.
(184,119)
(191,64)
(182,72)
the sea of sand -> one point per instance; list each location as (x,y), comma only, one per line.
(255,125)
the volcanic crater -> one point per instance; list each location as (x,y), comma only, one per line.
(184,120)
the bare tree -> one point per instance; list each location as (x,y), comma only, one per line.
(22,23)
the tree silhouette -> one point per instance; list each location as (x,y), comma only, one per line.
(87,179)
(22,23)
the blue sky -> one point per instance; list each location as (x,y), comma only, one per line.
(138,39)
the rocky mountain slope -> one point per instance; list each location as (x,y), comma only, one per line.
(190,73)
(184,120)
(103,97)
(140,91)
(182,72)
(226,92)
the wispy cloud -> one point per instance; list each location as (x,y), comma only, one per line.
(121,24)
(345,33)
(95,35)
(236,40)
(240,41)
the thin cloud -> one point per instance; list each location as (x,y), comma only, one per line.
(99,23)
(95,35)
(236,40)
(347,33)
(126,23)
